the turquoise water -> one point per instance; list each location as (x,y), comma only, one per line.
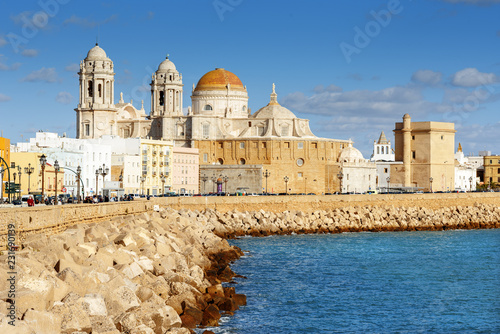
(403,282)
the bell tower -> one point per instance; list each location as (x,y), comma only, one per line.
(96,110)
(166,99)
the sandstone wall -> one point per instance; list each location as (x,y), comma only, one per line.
(54,219)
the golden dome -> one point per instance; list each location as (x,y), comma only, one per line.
(218,79)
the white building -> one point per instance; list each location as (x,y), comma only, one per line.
(359,175)
(383,156)
(465,171)
(382,150)
(185,170)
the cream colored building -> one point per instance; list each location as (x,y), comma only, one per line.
(185,170)
(492,170)
(427,152)
(156,159)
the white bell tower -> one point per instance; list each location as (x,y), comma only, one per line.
(96,110)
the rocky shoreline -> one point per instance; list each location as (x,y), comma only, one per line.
(162,272)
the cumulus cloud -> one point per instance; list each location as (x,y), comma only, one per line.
(475,2)
(5,67)
(72,67)
(427,77)
(4,98)
(29,52)
(42,75)
(64,98)
(88,23)
(471,77)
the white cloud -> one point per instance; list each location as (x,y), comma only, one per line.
(471,77)
(29,52)
(5,67)
(2,41)
(64,98)
(88,23)
(330,88)
(4,98)
(72,68)
(475,2)
(42,75)
(427,77)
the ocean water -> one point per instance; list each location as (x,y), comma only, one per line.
(402,282)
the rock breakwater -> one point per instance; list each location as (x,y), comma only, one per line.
(354,219)
(158,272)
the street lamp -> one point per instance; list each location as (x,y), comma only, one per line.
(143,178)
(286,184)
(470,183)
(29,170)
(103,171)
(78,173)
(96,181)
(204,179)
(43,162)
(225,179)
(214,179)
(430,181)
(56,170)
(19,170)
(388,179)
(163,179)
(15,174)
(340,177)
(266,175)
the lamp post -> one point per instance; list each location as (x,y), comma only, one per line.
(214,179)
(103,171)
(286,184)
(388,179)
(78,173)
(19,170)
(266,175)
(56,170)
(340,177)
(225,179)
(163,179)
(430,181)
(204,179)
(29,170)
(43,162)
(15,174)
(96,181)
(470,184)
(143,178)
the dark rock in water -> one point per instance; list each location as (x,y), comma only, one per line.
(188,321)
(211,316)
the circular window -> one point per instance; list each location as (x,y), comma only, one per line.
(300,162)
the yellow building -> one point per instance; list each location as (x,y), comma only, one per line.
(427,152)
(155,158)
(33,182)
(492,169)
(5,154)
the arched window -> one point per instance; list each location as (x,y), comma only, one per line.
(206,130)
(90,88)
(99,90)
(242,161)
(162,98)
(244,108)
(207,107)
(378,150)
(220,161)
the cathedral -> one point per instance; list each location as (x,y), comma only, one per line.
(271,143)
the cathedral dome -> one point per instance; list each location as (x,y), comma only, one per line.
(96,53)
(218,79)
(167,66)
(351,154)
(274,109)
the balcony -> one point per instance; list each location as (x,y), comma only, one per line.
(154,152)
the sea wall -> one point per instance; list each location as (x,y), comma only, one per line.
(54,219)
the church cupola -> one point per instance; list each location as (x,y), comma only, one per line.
(166,90)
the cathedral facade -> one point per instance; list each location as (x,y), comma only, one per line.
(218,123)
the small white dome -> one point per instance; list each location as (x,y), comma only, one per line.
(166,66)
(351,154)
(274,111)
(97,53)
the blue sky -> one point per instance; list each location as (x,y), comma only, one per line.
(352,67)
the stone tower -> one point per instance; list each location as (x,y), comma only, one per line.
(96,110)
(166,99)
(407,150)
